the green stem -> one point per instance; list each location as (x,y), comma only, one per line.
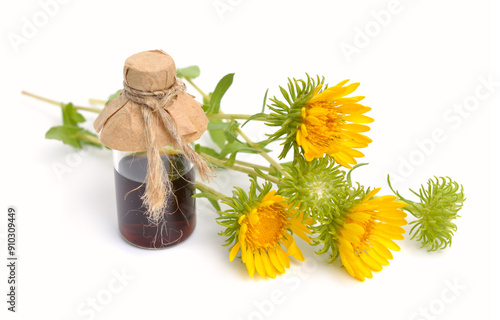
(89,138)
(239,168)
(262,153)
(96,110)
(203,187)
(231,116)
(244,136)
(97,101)
(203,94)
(251,165)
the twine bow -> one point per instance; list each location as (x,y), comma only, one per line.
(158,186)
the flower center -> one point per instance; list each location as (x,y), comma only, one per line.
(270,228)
(368,227)
(329,126)
(319,188)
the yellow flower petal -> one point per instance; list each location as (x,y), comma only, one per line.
(383,199)
(377,257)
(250,264)
(309,156)
(356,229)
(388,243)
(234,251)
(388,235)
(390,229)
(240,220)
(341,83)
(275,261)
(259,265)
(394,205)
(339,161)
(317,112)
(354,108)
(358,118)
(313,120)
(397,223)
(370,195)
(350,236)
(350,89)
(381,250)
(282,257)
(362,269)
(356,136)
(348,100)
(268,266)
(345,261)
(253,218)
(298,138)
(359,216)
(370,262)
(354,127)
(294,251)
(345,157)
(303,130)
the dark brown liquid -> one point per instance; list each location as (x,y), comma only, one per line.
(179,218)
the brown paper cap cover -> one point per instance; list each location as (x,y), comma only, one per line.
(121,122)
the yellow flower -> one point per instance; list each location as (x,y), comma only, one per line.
(263,231)
(332,124)
(368,233)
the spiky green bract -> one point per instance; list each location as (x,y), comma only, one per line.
(287,115)
(314,187)
(241,203)
(439,204)
(326,228)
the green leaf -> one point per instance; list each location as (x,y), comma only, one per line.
(255,116)
(214,203)
(264,103)
(219,92)
(217,124)
(207,150)
(238,146)
(188,72)
(232,159)
(206,101)
(70,116)
(66,134)
(230,131)
(210,197)
(235,146)
(217,135)
(114,95)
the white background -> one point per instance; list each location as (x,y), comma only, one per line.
(426,58)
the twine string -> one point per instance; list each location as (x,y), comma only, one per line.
(158,186)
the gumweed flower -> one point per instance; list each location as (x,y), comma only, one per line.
(261,228)
(368,233)
(321,120)
(332,124)
(438,207)
(313,187)
(364,233)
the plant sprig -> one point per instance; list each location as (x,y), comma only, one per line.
(316,188)
(436,211)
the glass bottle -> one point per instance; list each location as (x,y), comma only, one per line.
(153,110)
(179,216)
